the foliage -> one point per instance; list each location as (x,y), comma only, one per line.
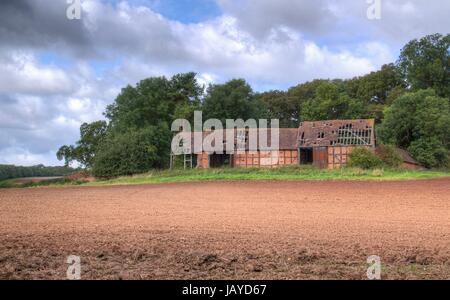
(430,152)
(389,155)
(375,91)
(364,158)
(425,63)
(135,135)
(330,102)
(11,171)
(419,122)
(376,86)
(91,136)
(280,105)
(232,100)
(153,101)
(133,152)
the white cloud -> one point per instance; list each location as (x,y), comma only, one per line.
(21,73)
(272,44)
(15,155)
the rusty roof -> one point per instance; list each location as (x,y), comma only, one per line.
(407,157)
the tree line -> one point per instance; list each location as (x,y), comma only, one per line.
(11,171)
(409,100)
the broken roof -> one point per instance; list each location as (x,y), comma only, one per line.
(337,132)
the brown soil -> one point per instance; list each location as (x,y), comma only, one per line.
(233,230)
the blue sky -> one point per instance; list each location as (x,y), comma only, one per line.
(57,73)
(186,11)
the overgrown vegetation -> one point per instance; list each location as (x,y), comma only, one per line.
(410,99)
(419,122)
(365,159)
(389,155)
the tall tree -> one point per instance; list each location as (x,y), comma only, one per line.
(232,100)
(303,93)
(376,90)
(91,136)
(329,102)
(425,63)
(137,136)
(279,105)
(154,100)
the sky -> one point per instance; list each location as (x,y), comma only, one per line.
(57,73)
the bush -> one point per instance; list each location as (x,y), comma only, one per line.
(389,155)
(430,152)
(133,152)
(365,159)
(419,122)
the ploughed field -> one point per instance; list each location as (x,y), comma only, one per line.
(228,230)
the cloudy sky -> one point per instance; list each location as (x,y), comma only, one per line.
(57,73)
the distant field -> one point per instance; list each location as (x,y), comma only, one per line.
(240,174)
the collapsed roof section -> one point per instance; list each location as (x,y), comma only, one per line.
(337,133)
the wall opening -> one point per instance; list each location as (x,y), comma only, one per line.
(306,156)
(219,160)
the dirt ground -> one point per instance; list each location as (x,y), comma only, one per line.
(231,230)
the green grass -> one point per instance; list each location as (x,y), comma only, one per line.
(228,174)
(288,173)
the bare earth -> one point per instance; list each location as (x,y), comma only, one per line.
(232,230)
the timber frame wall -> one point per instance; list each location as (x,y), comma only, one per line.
(255,159)
(330,142)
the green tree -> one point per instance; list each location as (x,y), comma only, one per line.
(137,136)
(330,102)
(375,91)
(133,152)
(303,93)
(91,136)
(419,122)
(425,63)
(279,105)
(232,100)
(154,100)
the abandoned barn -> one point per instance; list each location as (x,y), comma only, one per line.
(325,144)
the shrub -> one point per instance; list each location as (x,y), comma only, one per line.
(419,122)
(430,152)
(389,155)
(133,152)
(364,158)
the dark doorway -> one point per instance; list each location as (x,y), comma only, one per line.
(306,156)
(219,160)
